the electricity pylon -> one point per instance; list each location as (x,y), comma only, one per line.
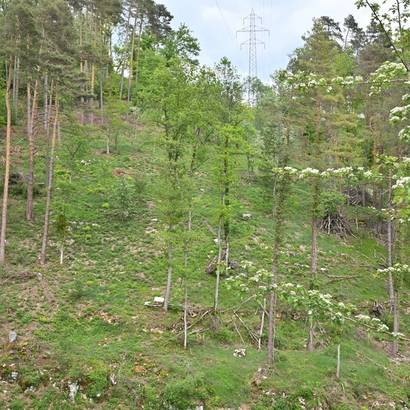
(252,28)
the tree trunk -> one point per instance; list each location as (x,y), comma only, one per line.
(310,346)
(218,266)
(62,254)
(186,316)
(16,86)
(169,276)
(46,103)
(315,211)
(272,328)
(262,325)
(44,244)
(92,85)
(396,325)
(131,62)
(31,116)
(6,168)
(390,242)
(122,64)
(338,363)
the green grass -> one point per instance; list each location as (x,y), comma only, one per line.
(86,321)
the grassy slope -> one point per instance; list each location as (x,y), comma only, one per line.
(86,320)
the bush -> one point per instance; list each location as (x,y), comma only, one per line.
(184,394)
(126,198)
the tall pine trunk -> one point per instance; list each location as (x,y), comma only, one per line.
(44,244)
(6,168)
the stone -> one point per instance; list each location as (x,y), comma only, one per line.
(12,336)
(159,300)
(239,353)
(73,387)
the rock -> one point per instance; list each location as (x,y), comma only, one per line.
(239,353)
(159,300)
(73,387)
(12,336)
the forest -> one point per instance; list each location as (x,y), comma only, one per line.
(176,236)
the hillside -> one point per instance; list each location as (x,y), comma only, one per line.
(176,235)
(85,323)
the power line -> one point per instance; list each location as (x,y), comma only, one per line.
(223,17)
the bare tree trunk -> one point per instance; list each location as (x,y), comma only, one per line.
(16,86)
(390,243)
(310,346)
(93,79)
(123,65)
(272,328)
(6,168)
(281,189)
(131,63)
(396,325)
(44,244)
(218,266)
(62,254)
(315,206)
(262,325)
(169,276)
(31,116)
(338,363)
(186,316)
(46,102)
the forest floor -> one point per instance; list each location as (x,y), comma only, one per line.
(84,323)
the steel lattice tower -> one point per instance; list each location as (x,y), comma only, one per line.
(252,28)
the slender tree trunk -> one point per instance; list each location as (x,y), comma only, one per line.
(271,328)
(131,63)
(170,271)
(44,244)
(62,254)
(390,242)
(396,324)
(186,316)
(218,265)
(281,190)
(338,363)
(46,103)
(6,168)
(31,116)
(123,65)
(315,206)
(16,86)
(262,325)
(138,51)
(310,346)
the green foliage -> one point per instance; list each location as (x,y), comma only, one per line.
(126,199)
(331,202)
(184,394)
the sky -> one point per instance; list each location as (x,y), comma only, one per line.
(215,22)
